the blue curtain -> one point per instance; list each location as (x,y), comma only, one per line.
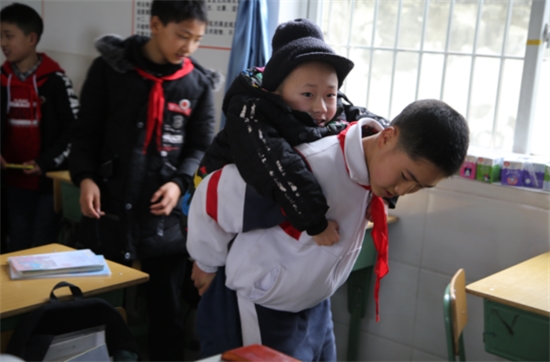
(250,42)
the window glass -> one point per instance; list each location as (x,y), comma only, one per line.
(491,27)
(519,22)
(336,28)
(387,76)
(386,24)
(482,102)
(431,75)
(457,74)
(412,20)
(356,84)
(508,104)
(363,15)
(463,26)
(540,136)
(404,86)
(380,82)
(436,28)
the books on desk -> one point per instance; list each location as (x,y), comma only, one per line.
(77,263)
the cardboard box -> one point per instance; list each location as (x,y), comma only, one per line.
(533,173)
(512,172)
(468,168)
(488,168)
(546,182)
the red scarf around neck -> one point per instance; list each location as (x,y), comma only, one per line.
(155,110)
(379,230)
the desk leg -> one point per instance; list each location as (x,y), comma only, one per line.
(358,288)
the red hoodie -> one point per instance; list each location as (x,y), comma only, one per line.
(22,138)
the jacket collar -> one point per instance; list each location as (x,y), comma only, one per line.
(354,153)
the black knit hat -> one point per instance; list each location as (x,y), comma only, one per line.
(296,42)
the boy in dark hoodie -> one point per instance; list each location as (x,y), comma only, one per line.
(37,109)
(146,119)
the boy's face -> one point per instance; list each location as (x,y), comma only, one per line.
(16,46)
(311,88)
(175,41)
(393,173)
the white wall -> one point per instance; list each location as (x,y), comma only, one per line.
(459,224)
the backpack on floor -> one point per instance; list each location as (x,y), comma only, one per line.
(34,334)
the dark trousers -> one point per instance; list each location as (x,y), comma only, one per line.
(32,219)
(166,334)
(307,335)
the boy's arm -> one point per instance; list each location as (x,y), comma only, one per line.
(269,163)
(215,217)
(198,136)
(87,130)
(65,102)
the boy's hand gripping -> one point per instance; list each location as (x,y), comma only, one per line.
(329,236)
(165,199)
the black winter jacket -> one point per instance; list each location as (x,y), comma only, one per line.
(259,137)
(108,146)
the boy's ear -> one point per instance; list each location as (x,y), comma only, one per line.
(155,24)
(33,38)
(388,136)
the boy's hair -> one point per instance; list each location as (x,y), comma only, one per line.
(24,17)
(169,11)
(432,130)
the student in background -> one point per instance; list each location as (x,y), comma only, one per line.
(37,109)
(147,116)
(278,281)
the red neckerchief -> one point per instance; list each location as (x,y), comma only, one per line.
(379,230)
(155,110)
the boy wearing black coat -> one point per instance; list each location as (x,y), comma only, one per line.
(147,117)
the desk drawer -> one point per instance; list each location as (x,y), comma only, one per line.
(515,334)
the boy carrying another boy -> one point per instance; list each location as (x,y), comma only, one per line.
(147,117)
(38,108)
(278,280)
(263,125)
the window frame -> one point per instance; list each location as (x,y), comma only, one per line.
(537,41)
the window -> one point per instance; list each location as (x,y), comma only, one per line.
(488,59)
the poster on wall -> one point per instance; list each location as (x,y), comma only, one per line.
(221,22)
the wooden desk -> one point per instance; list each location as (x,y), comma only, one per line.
(20,296)
(358,288)
(517,310)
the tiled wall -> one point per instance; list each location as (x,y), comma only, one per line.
(460,224)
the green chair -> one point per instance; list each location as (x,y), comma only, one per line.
(456,315)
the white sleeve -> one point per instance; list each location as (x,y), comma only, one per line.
(215,217)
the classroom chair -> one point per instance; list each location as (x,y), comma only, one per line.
(456,315)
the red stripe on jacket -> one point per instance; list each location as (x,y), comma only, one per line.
(212,195)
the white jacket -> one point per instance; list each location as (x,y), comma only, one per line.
(281,268)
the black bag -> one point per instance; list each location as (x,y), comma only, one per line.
(34,334)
